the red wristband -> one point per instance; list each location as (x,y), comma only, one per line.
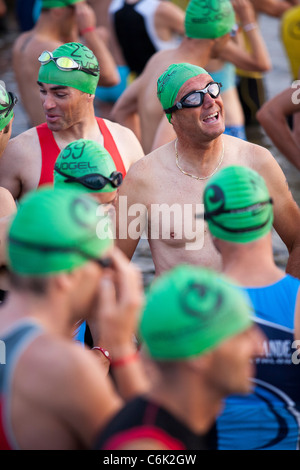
(124,360)
(87,30)
(104,352)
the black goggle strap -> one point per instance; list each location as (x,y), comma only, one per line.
(115,179)
(240,230)
(7,107)
(180,105)
(104,262)
(220,210)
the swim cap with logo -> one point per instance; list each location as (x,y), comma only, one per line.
(170,82)
(83,157)
(58,3)
(55,231)
(238,207)
(190,310)
(49,73)
(209,19)
(7,103)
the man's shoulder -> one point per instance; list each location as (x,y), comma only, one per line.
(117,129)
(22,142)
(246,153)
(48,349)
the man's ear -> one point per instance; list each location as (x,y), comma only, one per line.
(65,281)
(200,363)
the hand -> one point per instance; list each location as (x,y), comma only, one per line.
(120,299)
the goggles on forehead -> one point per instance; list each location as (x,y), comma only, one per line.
(7,101)
(94,181)
(195,98)
(65,63)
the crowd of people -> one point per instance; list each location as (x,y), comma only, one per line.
(206,356)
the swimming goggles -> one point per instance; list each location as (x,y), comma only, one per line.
(94,181)
(195,98)
(7,101)
(65,63)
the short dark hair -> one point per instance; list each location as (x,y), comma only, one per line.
(38,285)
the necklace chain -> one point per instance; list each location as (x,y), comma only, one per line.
(194,176)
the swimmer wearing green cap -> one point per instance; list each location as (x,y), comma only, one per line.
(73,65)
(196,328)
(239,212)
(202,41)
(88,166)
(69,77)
(49,247)
(7,102)
(238,207)
(62,271)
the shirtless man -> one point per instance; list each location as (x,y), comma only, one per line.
(54,394)
(67,99)
(175,175)
(60,21)
(200,44)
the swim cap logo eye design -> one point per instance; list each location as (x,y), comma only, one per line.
(214,198)
(80,210)
(200,300)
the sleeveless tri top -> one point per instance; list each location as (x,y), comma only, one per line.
(269,417)
(50,150)
(144,419)
(12,345)
(134,25)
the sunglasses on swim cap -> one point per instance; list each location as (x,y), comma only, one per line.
(94,181)
(7,101)
(195,98)
(64,63)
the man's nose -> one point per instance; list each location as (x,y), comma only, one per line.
(208,100)
(49,102)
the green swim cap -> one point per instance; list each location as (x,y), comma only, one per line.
(190,310)
(209,19)
(55,231)
(80,158)
(237,204)
(170,82)
(58,3)
(85,82)
(7,103)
